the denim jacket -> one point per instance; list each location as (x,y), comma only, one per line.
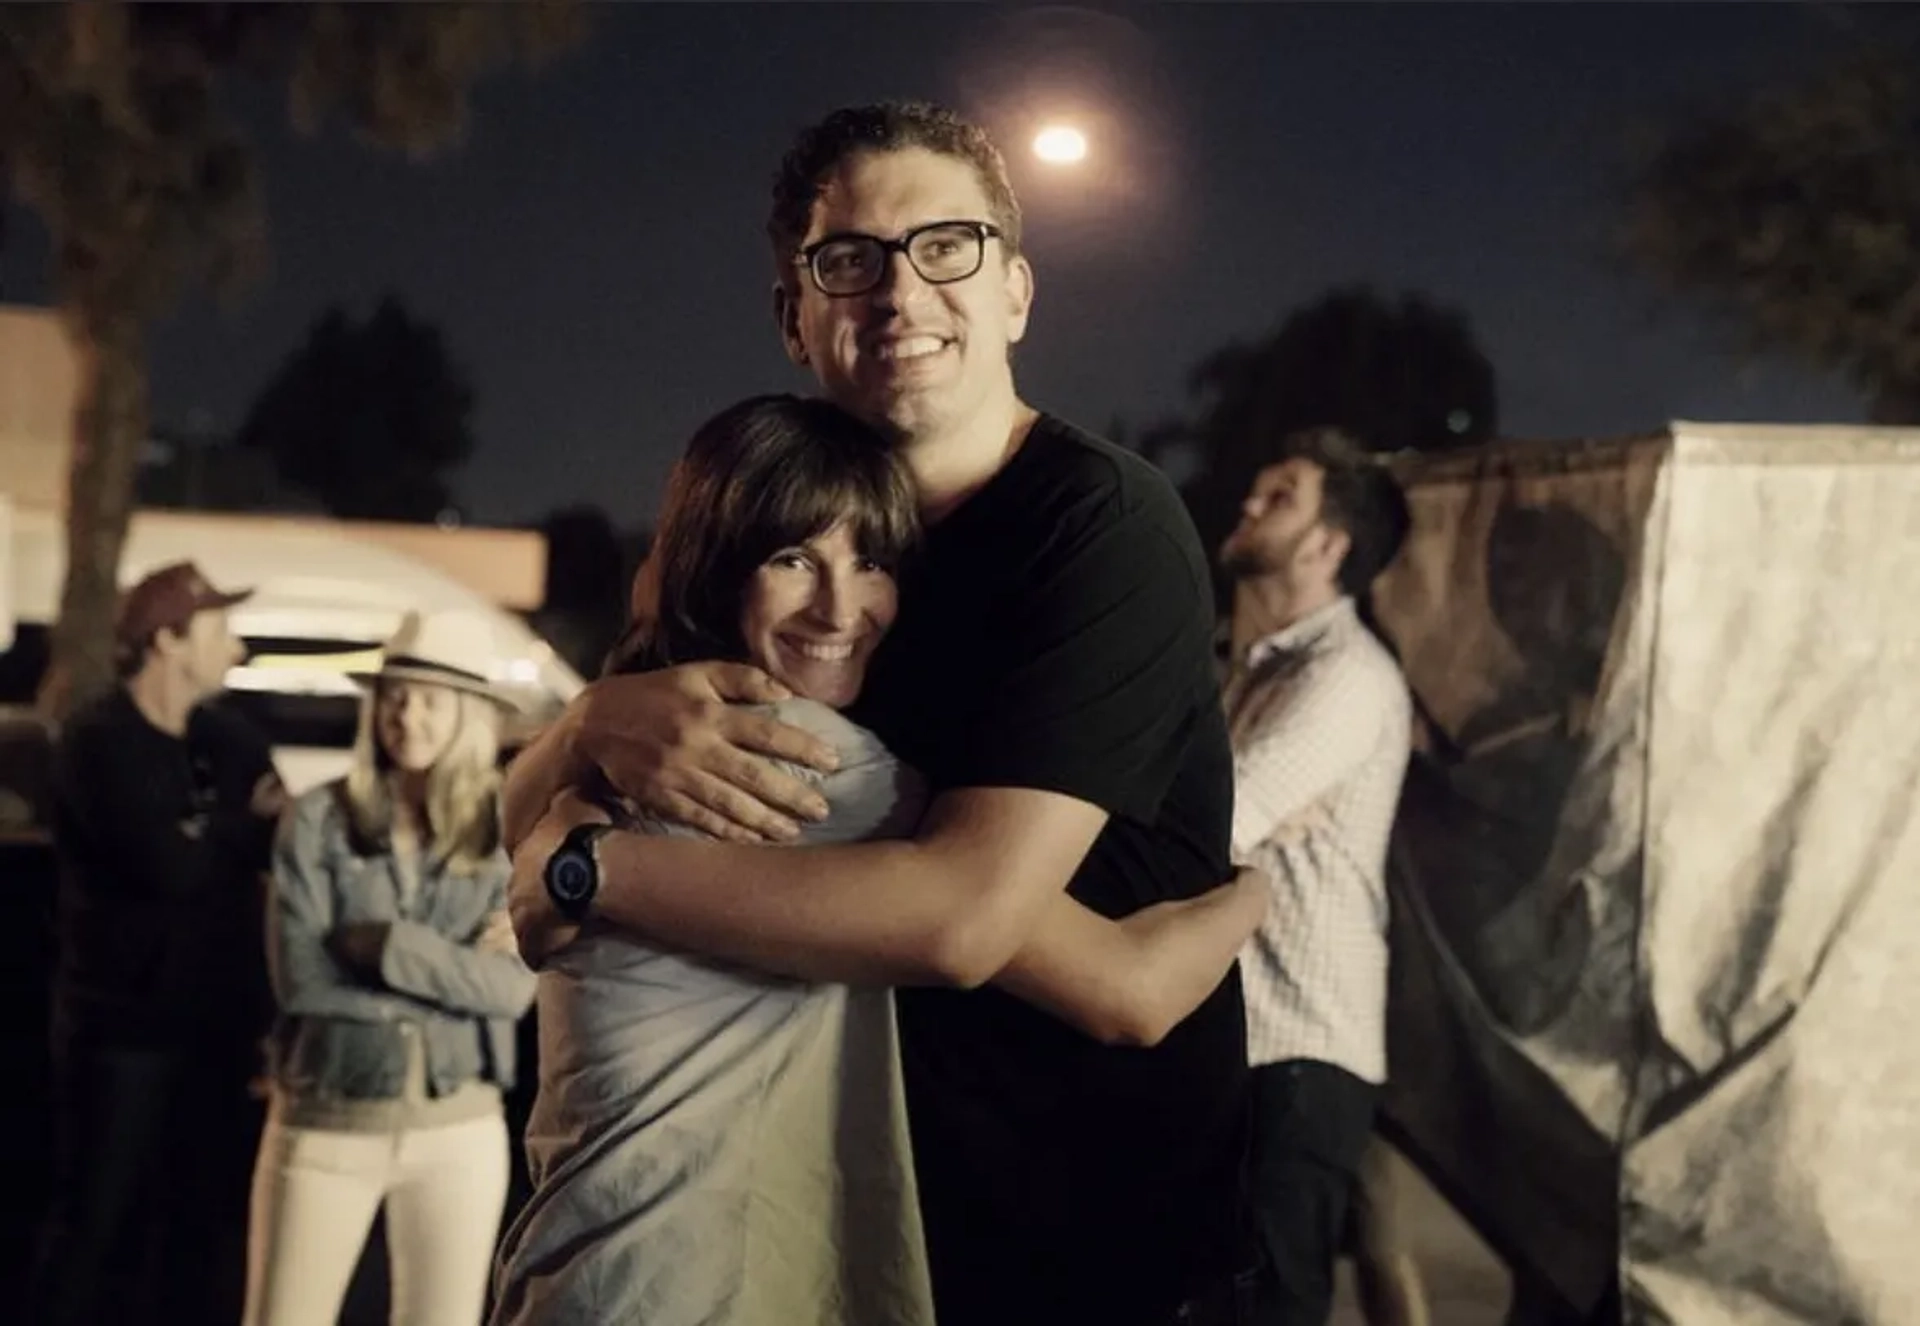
(338,1036)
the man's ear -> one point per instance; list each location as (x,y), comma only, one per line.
(1335,544)
(1019,287)
(786,316)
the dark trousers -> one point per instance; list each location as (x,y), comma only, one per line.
(1311,1122)
(152,1152)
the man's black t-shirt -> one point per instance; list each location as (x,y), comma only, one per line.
(1056,634)
(161,864)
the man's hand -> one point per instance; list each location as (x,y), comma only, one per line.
(540,930)
(357,947)
(677,743)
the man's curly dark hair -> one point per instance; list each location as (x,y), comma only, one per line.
(889,126)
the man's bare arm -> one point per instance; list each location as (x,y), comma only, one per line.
(1126,982)
(1130,982)
(952,906)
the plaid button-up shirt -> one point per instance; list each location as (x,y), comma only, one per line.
(1321,723)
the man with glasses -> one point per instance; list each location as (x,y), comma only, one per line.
(845,266)
(1051,672)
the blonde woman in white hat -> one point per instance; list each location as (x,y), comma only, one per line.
(398,985)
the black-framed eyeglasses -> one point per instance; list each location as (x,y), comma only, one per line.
(942,252)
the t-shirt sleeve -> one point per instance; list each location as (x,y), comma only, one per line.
(1096,673)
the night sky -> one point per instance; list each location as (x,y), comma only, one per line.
(595,254)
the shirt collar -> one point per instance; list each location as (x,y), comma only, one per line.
(1303,633)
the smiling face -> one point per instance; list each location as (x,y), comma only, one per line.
(914,358)
(415,722)
(813,614)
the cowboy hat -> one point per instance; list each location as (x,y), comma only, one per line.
(447,648)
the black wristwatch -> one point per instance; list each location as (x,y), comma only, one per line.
(572,875)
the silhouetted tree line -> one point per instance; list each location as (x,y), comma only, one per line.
(590,568)
(113,128)
(369,416)
(1398,372)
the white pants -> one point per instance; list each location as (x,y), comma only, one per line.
(315,1192)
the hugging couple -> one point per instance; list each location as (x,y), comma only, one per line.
(880,891)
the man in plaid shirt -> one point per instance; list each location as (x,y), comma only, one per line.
(1321,724)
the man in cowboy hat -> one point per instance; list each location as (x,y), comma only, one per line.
(164,810)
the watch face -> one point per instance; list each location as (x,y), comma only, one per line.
(570,876)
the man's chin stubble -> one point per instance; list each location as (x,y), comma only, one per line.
(1238,566)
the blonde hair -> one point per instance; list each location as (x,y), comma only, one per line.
(463,788)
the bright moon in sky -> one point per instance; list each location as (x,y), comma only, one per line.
(1060,144)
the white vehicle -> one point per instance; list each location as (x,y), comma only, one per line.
(324,600)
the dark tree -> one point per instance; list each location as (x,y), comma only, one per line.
(367,416)
(588,571)
(1399,374)
(1795,217)
(112,128)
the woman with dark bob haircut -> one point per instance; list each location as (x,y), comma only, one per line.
(716,1145)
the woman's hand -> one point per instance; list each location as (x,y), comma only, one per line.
(538,927)
(496,934)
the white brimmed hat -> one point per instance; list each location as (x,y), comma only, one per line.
(449,648)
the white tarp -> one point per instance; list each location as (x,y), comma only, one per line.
(1657,926)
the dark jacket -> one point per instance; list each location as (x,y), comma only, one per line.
(161,866)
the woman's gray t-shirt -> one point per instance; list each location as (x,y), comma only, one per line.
(710,1145)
